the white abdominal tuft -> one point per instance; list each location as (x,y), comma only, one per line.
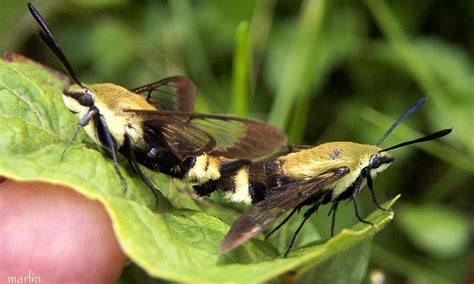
(241,183)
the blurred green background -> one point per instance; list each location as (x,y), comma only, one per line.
(321,70)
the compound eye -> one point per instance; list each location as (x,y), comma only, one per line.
(87,99)
(375,162)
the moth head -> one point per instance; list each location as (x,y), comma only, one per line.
(382,159)
(78,98)
(367,158)
(379,161)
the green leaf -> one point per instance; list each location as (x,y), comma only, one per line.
(241,69)
(435,229)
(175,244)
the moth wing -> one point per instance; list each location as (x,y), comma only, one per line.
(176,93)
(280,201)
(238,138)
(179,136)
(235,137)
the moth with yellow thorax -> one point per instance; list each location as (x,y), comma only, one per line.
(327,173)
(155,126)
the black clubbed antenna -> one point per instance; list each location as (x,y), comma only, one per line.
(432,136)
(48,38)
(409,112)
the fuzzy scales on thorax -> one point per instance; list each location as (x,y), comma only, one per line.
(324,158)
(111,100)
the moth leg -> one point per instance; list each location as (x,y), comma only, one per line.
(137,169)
(354,199)
(306,216)
(110,144)
(282,223)
(333,211)
(82,122)
(370,185)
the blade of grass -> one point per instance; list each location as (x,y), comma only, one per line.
(241,69)
(196,57)
(299,119)
(260,25)
(446,184)
(293,75)
(398,39)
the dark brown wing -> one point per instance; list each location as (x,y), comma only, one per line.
(234,137)
(173,93)
(179,136)
(280,201)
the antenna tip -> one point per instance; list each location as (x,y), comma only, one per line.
(422,101)
(446,131)
(33,11)
(442,133)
